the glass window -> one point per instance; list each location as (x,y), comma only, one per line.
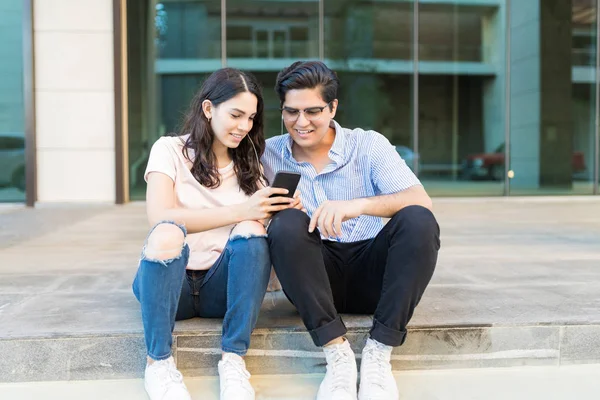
(553,97)
(241,40)
(12,117)
(375,30)
(369,45)
(461,116)
(453,33)
(172,47)
(188,29)
(277,33)
(461,99)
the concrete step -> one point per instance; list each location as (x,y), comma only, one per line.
(520,383)
(281,345)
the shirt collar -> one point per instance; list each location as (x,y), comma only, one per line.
(287,149)
(336,153)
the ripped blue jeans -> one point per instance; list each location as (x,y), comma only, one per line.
(232,289)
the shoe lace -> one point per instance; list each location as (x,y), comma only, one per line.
(235,372)
(376,364)
(341,369)
(169,371)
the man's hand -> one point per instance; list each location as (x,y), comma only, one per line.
(330,215)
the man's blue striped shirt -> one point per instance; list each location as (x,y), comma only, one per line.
(363,164)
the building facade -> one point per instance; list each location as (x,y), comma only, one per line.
(480,97)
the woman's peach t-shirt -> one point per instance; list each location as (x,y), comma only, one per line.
(167,157)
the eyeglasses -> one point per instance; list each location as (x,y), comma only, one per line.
(311,114)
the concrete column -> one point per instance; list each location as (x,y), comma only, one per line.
(525,91)
(541,97)
(494,99)
(74,100)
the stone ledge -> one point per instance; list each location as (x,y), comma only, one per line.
(292,352)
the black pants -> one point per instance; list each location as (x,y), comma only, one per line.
(385,276)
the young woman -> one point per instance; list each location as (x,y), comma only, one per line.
(207,253)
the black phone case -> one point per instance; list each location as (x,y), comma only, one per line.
(286,180)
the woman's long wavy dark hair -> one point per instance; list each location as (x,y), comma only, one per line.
(219,87)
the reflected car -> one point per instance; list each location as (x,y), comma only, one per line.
(12,160)
(407,155)
(490,166)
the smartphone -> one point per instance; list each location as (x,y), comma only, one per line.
(287,180)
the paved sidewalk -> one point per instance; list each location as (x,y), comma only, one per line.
(533,383)
(66,272)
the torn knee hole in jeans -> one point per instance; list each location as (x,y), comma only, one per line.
(166,261)
(245,236)
(174,253)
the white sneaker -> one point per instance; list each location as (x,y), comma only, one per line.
(376,379)
(163,381)
(234,378)
(340,379)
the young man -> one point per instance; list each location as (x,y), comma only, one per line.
(340,258)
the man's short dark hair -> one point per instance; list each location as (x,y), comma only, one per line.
(307,75)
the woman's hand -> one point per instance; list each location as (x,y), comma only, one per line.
(261,206)
(297,204)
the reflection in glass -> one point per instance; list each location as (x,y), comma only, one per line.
(188,29)
(461,99)
(270,35)
(172,47)
(462,81)
(282,30)
(369,45)
(553,98)
(454,34)
(369,31)
(12,118)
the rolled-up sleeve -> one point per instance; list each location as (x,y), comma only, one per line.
(389,172)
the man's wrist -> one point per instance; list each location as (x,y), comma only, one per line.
(361,205)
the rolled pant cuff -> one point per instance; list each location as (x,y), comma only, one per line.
(161,358)
(326,333)
(240,353)
(387,336)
